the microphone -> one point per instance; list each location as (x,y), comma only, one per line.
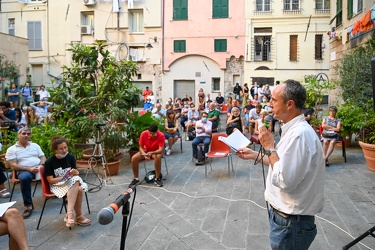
(106,214)
(267,121)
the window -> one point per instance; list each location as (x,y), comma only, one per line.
(11,22)
(180,9)
(339,12)
(215,84)
(136,54)
(291,5)
(354,7)
(179,46)
(135,21)
(34,34)
(293,48)
(318,47)
(220,45)
(87,23)
(220,9)
(322,4)
(262,48)
(263,5)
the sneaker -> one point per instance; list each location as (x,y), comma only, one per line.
(166,148)
(168,152)
(158,182)
(187,138)
(133,183)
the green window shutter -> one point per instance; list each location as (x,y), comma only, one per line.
(220,45)
(220,9)
(179,46)
(350,9)
(180,9)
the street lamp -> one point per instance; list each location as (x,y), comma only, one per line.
(149,45)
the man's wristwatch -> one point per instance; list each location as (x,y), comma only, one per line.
(268,152)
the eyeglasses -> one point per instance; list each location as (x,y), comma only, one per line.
(25,133)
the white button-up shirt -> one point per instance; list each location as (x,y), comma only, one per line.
(295,185)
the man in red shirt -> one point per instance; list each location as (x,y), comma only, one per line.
(146,93)
(151,146)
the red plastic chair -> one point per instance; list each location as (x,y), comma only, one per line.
(224,108)
(17,181)
(142,112)
(47,194)
(218,149)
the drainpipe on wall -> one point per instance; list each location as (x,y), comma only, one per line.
(162,36)
(48,51)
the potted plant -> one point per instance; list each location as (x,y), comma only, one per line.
(315,91)
(351,121)
(356,87)
(136,124)
(97,89)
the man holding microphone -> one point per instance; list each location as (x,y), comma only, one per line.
(295,181)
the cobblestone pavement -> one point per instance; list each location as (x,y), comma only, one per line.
(218,212)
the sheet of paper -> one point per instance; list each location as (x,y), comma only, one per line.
(236,140)
(4,207)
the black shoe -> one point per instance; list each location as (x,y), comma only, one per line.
(133,183)
(158,182)
(26,214)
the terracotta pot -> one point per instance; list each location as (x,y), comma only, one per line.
(87,153)
(113,167)
(369,153)
(82,164)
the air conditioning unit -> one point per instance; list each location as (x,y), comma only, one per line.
(86,30)
(89,2)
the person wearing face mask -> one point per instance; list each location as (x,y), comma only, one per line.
(203,133)
(64,164)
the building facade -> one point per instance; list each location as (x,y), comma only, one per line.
(203,46)
(130,28)
(286,39)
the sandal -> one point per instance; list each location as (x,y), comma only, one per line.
(83,221)
(69,222)
(4,193)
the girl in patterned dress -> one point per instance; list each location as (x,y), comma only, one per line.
(331,128)
(73,187)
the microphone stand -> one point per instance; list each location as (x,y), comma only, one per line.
(124,230)
(125,224)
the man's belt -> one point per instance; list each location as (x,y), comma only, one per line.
(287,216)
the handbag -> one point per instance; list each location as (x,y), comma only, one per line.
(329,135)
(8,124)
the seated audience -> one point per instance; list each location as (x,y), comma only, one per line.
(11,223)
(203,135)
(177,107)
(235,122)
(7,114)
(219,100)
(261,122)
(20,118)
(148,105)
(254,115)
(236,104)
(151,146)
(184,115)
(213,116)
(73,187)
(193,116)
(171,130)
(25,157)
(32,118)
(158,112)
(41,109)
(331,128)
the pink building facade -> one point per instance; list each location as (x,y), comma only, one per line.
(203,46)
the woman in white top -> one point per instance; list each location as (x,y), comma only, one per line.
(151,97)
